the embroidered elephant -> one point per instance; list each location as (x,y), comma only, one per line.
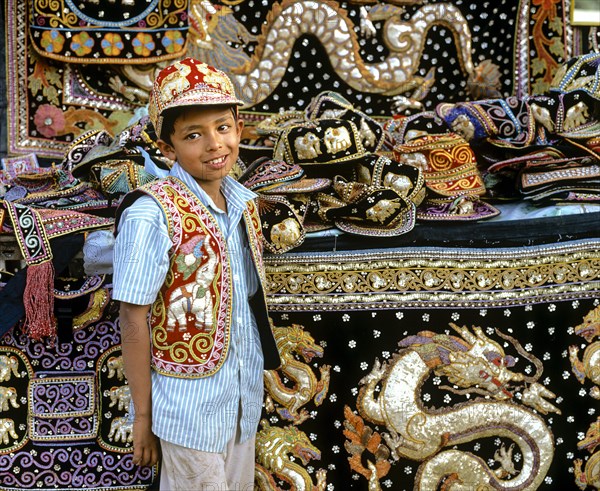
(8,365)
(7,428)
(382,210)
(307,146)
(115,367)
(193,302)
(577,115)
(337,139)
(399,183)
(120,396)
(285,233)
(121,430)
(176,82)
(8,394)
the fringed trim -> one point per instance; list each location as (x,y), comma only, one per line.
(38,299)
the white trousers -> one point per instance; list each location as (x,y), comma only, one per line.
(186,469)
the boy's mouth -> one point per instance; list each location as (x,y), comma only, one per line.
(217,163)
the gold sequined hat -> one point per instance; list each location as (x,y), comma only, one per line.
(189,82)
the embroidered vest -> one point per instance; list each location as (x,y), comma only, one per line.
(191,317)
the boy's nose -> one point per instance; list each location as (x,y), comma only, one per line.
(213,141)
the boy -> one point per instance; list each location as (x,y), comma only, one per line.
(188,272)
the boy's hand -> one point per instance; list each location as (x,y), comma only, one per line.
(145,443)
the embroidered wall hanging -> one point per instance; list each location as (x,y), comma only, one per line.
(63,409)
(107,31)
(458,50)
(416,368)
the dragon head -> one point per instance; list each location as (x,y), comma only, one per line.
(484,364)
(590,327)
(295,338)
(592,438)
(301,445)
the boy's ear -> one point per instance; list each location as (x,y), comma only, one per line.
(240,126)
(166,149)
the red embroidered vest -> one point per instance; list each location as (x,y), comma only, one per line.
(191,317)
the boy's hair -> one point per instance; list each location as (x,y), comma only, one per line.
(188,82)
(171,115)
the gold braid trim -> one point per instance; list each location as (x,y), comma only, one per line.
(434,277)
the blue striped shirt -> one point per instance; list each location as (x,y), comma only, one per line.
(197,413)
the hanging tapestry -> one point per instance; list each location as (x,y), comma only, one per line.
(81,67)
(107,31)
(63,408)
(427,368)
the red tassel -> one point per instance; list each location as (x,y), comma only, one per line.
(38,299)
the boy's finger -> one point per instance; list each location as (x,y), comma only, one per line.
(153,457)
(136,456)
(141,461)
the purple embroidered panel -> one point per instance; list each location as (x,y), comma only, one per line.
(52,398)
(63,408)
(62,426)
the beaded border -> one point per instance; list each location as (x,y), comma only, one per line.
(433,277)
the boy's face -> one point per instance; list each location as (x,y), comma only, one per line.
(205,142)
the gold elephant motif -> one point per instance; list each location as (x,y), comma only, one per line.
(120,396)
(7,428)
(8,366)
(121,430)
(337,139)
(576,115)
(8,395)
(399,183)
(285,233)
(382,210)
(115,367)
(542,116)
(308,146)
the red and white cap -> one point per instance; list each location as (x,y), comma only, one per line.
(189,82)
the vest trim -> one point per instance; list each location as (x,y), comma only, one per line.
(191,318)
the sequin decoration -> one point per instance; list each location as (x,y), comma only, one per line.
(64,429)
(353,53)
(466,375)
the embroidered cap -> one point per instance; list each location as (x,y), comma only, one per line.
(448,163)
(189,82)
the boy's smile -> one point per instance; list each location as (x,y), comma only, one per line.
(205,142)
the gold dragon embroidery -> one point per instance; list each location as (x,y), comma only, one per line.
(588,368)
(474,364)
(589,475)
(290,340)
(221,41)
(274,445)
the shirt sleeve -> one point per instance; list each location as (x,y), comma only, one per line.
(141,255)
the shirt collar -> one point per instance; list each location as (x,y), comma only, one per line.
(236,194)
